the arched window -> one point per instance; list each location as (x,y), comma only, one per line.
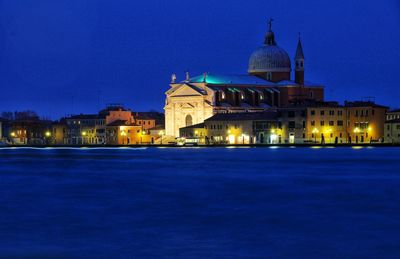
(189,120)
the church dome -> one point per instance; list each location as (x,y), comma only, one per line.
(270,57)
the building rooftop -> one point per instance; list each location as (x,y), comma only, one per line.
(245,116)
(195,126)
(215,79)
(86,117)
(394,111)
(157,116)
(118,123)
(363,104)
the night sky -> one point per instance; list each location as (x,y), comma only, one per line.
(72,56)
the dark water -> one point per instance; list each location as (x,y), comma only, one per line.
(200,203)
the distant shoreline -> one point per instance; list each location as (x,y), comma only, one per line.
(204,146)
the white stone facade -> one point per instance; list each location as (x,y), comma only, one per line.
(186,105)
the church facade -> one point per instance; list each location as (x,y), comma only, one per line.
(266,86)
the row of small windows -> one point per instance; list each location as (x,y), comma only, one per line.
(87,122)
(330,112)
(357,113)
(144,122)
(242,95)
(363,113)
(393,117)
(220,127)
(330,123)
(397,127)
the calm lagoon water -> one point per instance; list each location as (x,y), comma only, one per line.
(200,203)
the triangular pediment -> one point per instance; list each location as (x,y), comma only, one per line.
(186,90)
(187,105)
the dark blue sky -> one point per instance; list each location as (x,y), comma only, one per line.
(57,57)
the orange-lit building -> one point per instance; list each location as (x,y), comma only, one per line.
(326,123)
(149,120)
(365,121)
(123,133)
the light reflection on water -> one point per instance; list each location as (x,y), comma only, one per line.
(200,202)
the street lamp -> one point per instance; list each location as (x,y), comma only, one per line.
(161,134)
(330,134)
(274,137)
(356,131)
(123,135)
(143,133)
(84,134)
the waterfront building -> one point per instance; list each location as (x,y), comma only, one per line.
(149,120)
(114,125)
(30,131)
(326,123)
(392,131)
(292,122)
(365,121)
(266,85)
(122,132)
(243,128)
(59,131)
(90,129)
(197,131)
(115,112)
(85,129)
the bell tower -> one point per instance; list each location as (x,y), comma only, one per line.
(299,64)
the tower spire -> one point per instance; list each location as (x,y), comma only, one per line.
(299,50)
(299,63)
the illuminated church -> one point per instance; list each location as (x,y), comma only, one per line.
(267,85)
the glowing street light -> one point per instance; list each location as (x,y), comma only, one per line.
(357,130)
(84,133)
(142,133)
(47,134)
(13,134)
(161,134)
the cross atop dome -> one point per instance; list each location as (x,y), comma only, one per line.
(270,23)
